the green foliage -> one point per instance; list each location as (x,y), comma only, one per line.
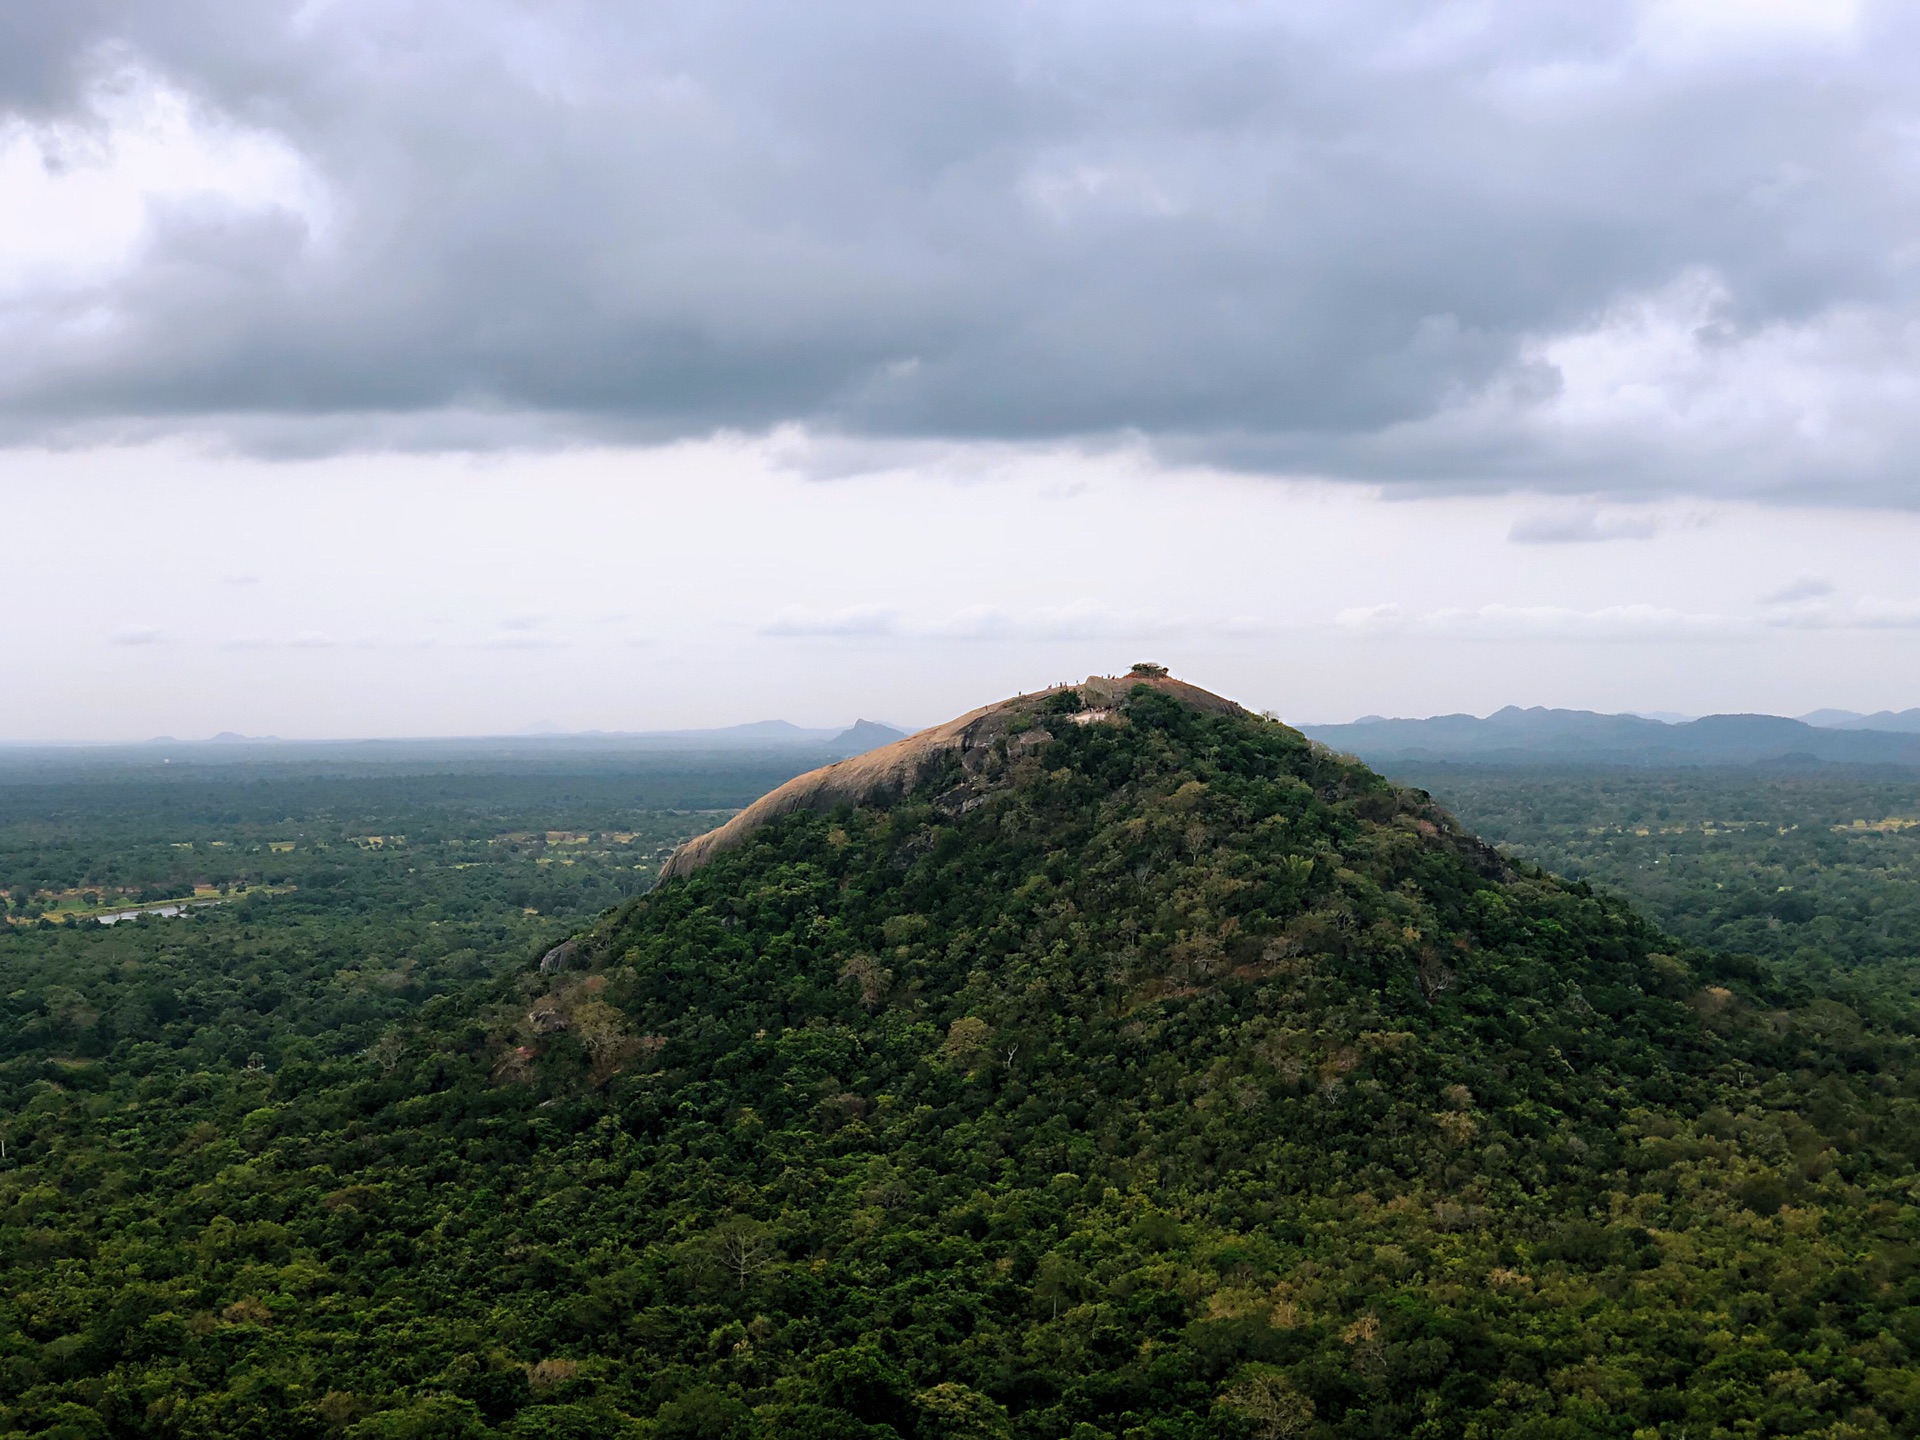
(1801,868)
(1167,1078)
(440,1417)
(148,1071)
(702,1413)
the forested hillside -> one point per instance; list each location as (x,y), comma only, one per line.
(1141,1072)
(1816,869)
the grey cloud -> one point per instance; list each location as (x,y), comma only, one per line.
(1579,527)
(1804,587)
(1542,250)
(135,635)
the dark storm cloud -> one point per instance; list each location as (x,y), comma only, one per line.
(1587,247)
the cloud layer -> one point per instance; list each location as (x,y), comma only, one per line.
(1596,247)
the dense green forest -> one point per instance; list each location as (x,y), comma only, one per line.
(1815,869)
(1151,1078)
(340,912)
(326,907)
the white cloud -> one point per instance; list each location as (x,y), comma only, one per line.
(1871,613)
(80,197)
(1542,622)
(1695,31)
(135,635)
(1385,616)
(1868,612)
(1678,389)
(847,621)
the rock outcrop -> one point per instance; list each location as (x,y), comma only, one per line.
(978,739)
(560,957)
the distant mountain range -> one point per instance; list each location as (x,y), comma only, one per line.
(773,745)
(1902,721)
(1537,735)
(1534,735)
(855,739)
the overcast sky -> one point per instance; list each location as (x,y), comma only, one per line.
(375,367)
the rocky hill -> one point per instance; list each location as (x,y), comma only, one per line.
(1114,1062)
(983,741)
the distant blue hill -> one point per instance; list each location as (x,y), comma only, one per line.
(1901,721)
(1516,736)
(862,736)
(754,732)
(780,744)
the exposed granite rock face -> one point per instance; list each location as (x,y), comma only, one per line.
(564,956)
(983,740)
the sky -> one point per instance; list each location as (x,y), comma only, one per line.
(387,367)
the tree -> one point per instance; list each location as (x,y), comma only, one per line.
(966,1042)
(952,1411)
(1436,976)
(1058,1278)
(741,1247)
(1272,1408)
(602,1033)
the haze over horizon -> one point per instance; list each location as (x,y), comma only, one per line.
(779,730)
(421,370)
